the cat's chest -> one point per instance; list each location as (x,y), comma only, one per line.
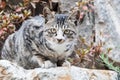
(62,50)
(59,48)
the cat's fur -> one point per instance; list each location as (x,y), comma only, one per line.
(37,44)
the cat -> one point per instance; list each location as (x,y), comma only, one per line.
(39,44)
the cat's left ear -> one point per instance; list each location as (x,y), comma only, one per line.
(73,18)
(49,16)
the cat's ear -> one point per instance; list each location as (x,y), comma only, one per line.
(73,17)
(49,16)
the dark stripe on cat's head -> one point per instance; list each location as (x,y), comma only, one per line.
(60,19)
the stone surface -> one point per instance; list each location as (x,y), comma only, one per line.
(108,26)
(10,71)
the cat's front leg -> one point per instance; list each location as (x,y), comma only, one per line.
(48,64)
(66,64)
(63,63)
(43,63)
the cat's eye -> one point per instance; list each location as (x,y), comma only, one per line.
(67,31)
(53,30)
(36,27)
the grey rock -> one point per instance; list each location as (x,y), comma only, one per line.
(10,71)
(108,26)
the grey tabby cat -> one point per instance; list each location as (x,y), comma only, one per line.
(37,44)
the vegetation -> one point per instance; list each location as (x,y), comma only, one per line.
(108,63)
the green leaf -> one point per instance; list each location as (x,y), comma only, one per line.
(108,63)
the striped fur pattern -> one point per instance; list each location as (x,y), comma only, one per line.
(37,44)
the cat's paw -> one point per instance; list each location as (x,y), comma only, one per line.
(66,64)
(48,64)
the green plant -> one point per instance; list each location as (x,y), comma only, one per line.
(9,22)
(109,64)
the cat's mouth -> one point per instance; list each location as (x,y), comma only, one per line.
(60,41)
(60,48)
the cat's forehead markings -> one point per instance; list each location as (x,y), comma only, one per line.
(63,26)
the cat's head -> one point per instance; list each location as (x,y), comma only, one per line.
(60,32)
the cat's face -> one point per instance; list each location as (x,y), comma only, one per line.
(60,34)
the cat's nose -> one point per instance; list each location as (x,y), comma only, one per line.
(59,40)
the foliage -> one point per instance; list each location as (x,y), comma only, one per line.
(108,63)
(92,56)
(8,21)
(89,54)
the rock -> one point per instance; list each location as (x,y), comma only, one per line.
(108,26)
(10,71)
